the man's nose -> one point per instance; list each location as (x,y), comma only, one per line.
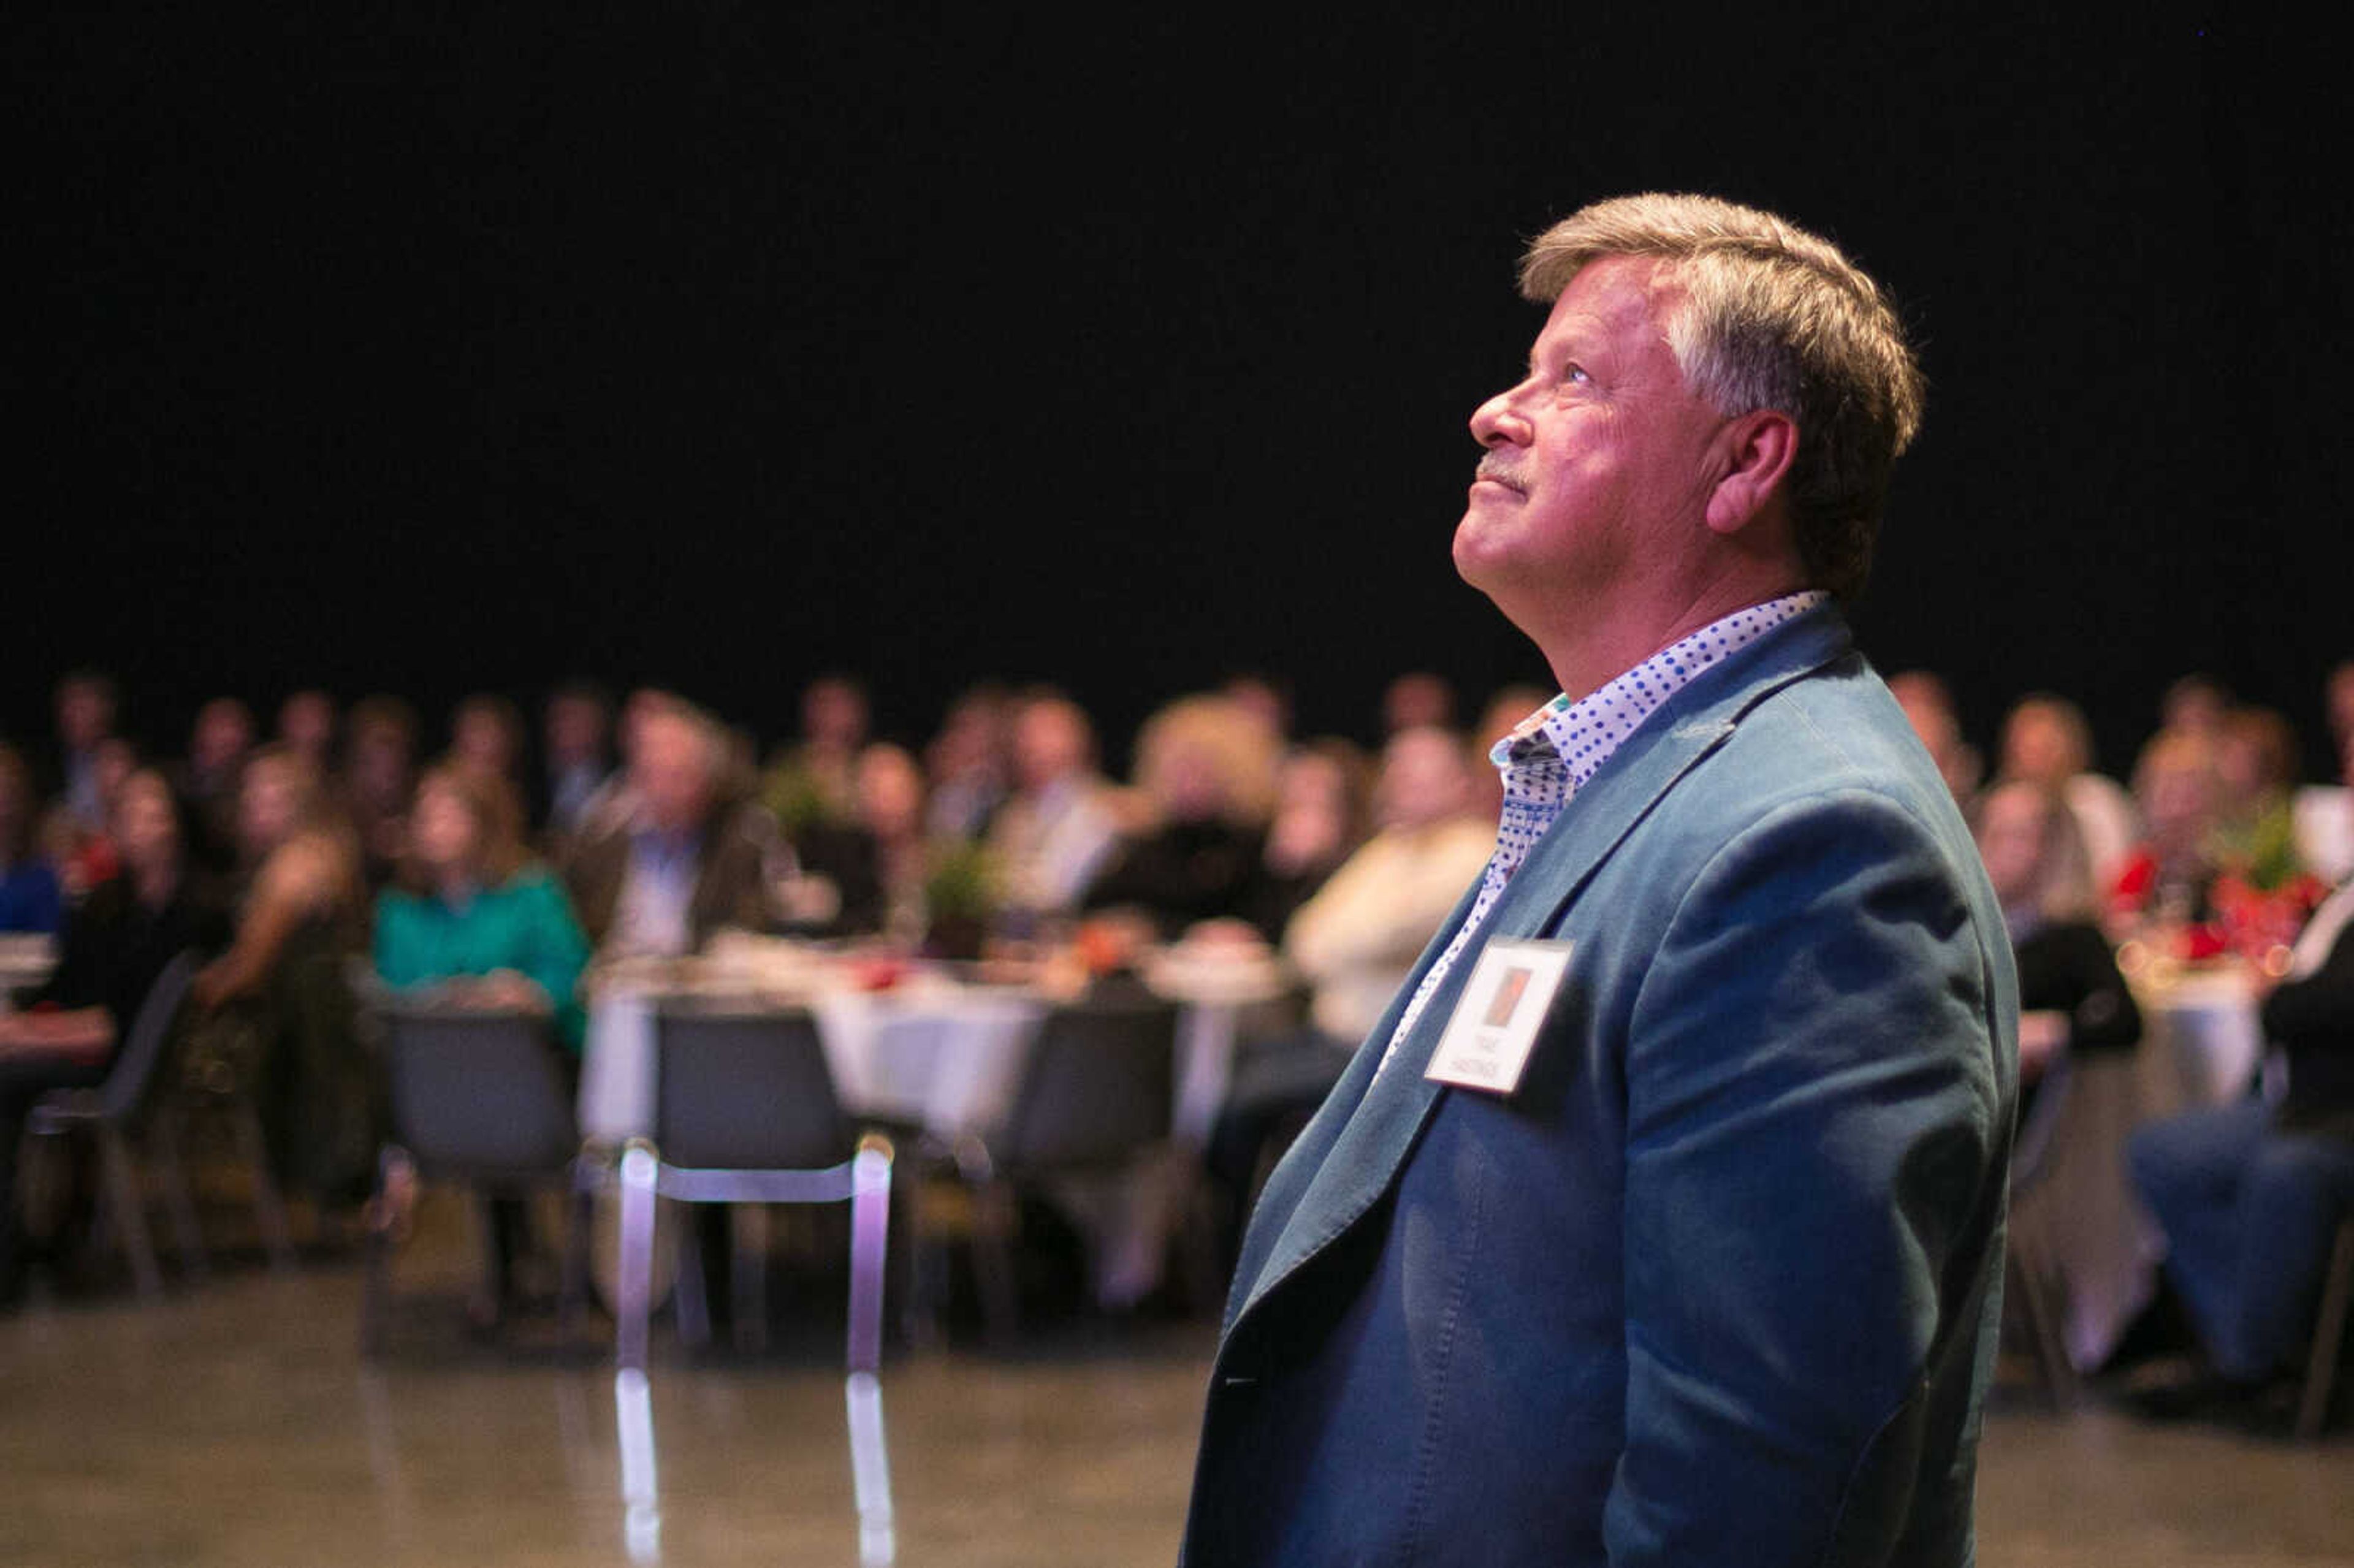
(1499,421)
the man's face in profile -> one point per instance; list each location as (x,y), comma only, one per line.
(1597,462)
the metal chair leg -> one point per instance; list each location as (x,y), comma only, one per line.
(870,1226)
(690,1298)
(130,1216)
(268,1209)
(2328,1336)
(165,1152)
(579,1219)
(632,1291)
(992,1258)
(747,1273)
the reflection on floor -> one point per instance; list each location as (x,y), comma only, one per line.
(235,1424)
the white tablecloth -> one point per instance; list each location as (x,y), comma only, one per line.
(945,1056)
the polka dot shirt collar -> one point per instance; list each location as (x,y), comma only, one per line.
(1565,743)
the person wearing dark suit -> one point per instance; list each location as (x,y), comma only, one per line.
(690,857)
(1707,1268)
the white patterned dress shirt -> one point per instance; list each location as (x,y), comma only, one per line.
(1552,753)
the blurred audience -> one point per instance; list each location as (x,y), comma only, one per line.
(218,743)
(1929,708)
(2195,706)
(283,983)
(1320,820)
(971,764)
(477,923)
(2168,878)
(475,919)
(690,852)
(2249,1193)
(306,726)
(486,738)
(1206,768)
(1058,828)
(890,808)
(1417,700)
(2255,830)
(2072,999)
(2325,812)
(83,854)
(576,726)
(378,763)
(30,897)
(2046,741)
(115,945)
(85,708)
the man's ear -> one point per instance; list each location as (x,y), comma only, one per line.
(1756,450)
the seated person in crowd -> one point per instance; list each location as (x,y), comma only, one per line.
(379,768)
(1059,827)
(30,899)
(486,737)
(283,979)
(473,918)
(2255,831)
(2047,741)
(877,862)
(477,923)
(2163,888)
(2249,1195)
(84,854)
(1206,769)
(208,781)
(575,729)
(2325,812)
(1357,939)
(820,771)
(85,707)
(115,944)
(306,726)
(1417,700)
(1319,822)
(970,763)
(691,855)
(2072,999)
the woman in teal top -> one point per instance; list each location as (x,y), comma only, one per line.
(474,918)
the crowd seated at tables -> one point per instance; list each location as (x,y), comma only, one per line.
(645,830)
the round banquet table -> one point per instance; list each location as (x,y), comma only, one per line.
(2202,1045)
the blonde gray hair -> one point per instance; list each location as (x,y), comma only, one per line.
(1770,316)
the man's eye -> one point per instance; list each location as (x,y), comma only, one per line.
(1573,374)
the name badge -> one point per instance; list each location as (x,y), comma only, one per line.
(1488,1040)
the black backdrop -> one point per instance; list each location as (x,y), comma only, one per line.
(430,347)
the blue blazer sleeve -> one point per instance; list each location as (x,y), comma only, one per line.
(1814,1129)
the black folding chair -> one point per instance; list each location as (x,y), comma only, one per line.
(1097,1091)
(108,1110)
(2328,1335)
(478,1099)
(746,1114)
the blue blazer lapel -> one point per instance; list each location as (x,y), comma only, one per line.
(1359,1141)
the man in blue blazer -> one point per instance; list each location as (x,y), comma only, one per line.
(1660,1219)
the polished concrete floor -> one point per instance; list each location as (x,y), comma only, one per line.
(236,1423)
